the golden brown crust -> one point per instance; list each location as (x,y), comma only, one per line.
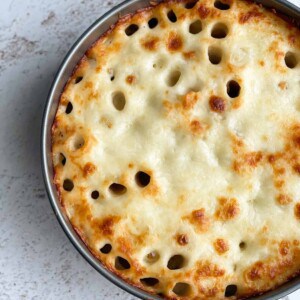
(227,209)
(182,239)
(176,149)
(217,104)
(221,246)
(199,219)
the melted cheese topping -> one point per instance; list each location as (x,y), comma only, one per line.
(176,149)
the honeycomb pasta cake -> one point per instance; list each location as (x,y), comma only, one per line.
(176,149)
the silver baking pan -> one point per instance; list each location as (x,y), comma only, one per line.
(64,72)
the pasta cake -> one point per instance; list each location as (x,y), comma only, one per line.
(176,149)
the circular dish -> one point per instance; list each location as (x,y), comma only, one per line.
(66,69)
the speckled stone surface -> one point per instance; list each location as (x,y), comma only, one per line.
(37,260)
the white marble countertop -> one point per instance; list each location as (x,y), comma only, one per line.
(37,261)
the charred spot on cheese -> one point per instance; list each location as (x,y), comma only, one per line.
(130,79)
(199,219)
(279,171)
(245,161)
(256,271)
(174,42)
(124,245)
(106,226)
(181,141)
(279,183)
(189,100)
(189,55)
(203,11)
(250,15)
(152,190)
(106,121)
(283,199)
(206,269)
(282,85)
(150,43)
(292,39)
(296,136)
(209,292)
(130,165)
(271,158)
(228,208)
(88,85)
(88,169)
(199,215)
(221,246)
(196,127)
(253,158)
(217,104)
(269,269)
(284,248)
(182,239)
(297,210)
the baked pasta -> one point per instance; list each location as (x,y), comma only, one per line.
(176,149)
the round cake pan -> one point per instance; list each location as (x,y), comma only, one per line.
(61,78)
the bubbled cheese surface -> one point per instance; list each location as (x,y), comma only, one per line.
(176,149)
